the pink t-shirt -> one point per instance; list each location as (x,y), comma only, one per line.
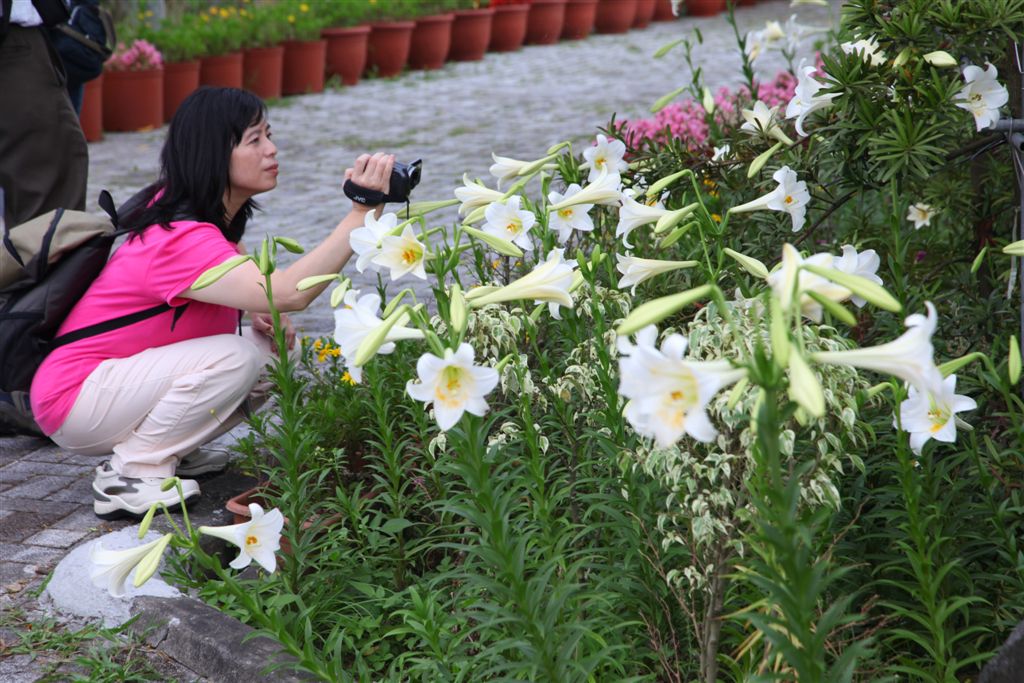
(142,273)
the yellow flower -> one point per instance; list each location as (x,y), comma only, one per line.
(141,15)
(243,12)
(291,18)
(495,264)
(224,14)
(149,13)
(716,217)
(347,378)
(206,19)
(303,7)
(213,11)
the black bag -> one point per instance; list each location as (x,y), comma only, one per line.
(86,41)
(46,265)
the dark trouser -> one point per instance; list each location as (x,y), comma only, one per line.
(44,160)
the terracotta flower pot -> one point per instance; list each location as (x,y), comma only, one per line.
(471,34)
(263,70)
(614,16)
(704,8)
(430,42)
(91,116)
(388,48)
(221,70)
(180,79)
(508,27)
(663,11)
(644,13)
(133,100)
(579,19)
(745,3)
(545,21)
(346,52)
(302,69)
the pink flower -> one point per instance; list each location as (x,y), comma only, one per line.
(141,55)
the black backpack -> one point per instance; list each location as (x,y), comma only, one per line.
(46,265)
(85,41)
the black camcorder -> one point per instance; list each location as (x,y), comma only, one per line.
(404,177)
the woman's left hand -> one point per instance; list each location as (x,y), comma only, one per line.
(263,323)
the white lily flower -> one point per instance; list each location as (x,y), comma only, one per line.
(110,568)
(909,357)
(506,168)
(920,215)
(790,196)
(635,270)
(402,254)
(576,217)
(356,320)
(366,240)
(790,280)
(606,155)
(983,95)
(721,153)
(506,220)
(258,539)
(865,264)
(933,416)
(806,99)
(453,384)
(771,37)
(762,120)
(867,48)
(549,281)
(633,214)
(668,395)
(605,190)
(474,195)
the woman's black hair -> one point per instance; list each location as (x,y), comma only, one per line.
(195,161)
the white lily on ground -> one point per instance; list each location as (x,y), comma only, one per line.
(633,214)
(790,280)
(762,120)
(908,357)
(865,264)
(635,270)
(668,395)
(357,319)
(366,240)
(806,99)
(790,195)
(258,539)
(453,384)
(606,155)
(576,217)
(867,48)
(506,168)
(505,219)
(402,255)
(933,416)
(110,568)
(605,190)
(474,195)
(982,95)
(548,282)
(920,215)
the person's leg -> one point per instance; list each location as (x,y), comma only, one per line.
(76,91)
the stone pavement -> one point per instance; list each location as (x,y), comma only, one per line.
(514,104)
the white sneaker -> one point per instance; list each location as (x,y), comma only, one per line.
(118,496)
(202,461)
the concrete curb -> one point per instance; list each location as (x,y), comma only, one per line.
(209,642)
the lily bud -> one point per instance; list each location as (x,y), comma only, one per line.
(338,294)
(940,58)
(675,235)
(457,310)
(217,272)
(861,286)
(758,163)
(778,334)
(901,58)
(976,264)
(290,244)
(737,392)
(502,246)
(417,209)
(708,101)
(749,263)
(265,261)
(376,338)
(314,280)
(662,183)
(168,483)
(146,521)
(663,101)
(1013,362)
(804,387)
(1014,248)
(657,310)
(673,218)
(393,304)
(147,567)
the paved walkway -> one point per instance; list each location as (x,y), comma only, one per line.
(515,104)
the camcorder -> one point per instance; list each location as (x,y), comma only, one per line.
(404,177)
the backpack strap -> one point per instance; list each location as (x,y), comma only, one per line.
(116,323)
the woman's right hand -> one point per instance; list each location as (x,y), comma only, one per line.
(372,172)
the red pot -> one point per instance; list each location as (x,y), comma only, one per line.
(91,116)
(663,11)
(388,48)
(262,70)
(644,13)
(579,19)
(508,27)
(545,21)
(346,52)
(704,8)
(180,79)
(430,42)
(745,3)
(133,100)
(221,70)
(471,34)
(302,69)
(614,16)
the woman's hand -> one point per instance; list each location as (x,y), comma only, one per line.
(263,323)
(372,172)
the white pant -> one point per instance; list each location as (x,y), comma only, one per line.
(155,407)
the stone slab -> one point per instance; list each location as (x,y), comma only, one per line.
(56,538)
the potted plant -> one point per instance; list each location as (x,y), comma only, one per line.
(91,116)
(545,21)
(387,51)
(181,47)
(347,36)
(579,19)
(432,36)
(508,26)
(133,87)
(219,29)
(704,8)
(663,11)
(644,13)
(471,30)
(614,16)
(305,52)
(262,52)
